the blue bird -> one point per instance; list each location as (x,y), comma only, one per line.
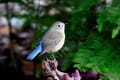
(51,42)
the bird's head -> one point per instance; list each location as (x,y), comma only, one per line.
(59,26)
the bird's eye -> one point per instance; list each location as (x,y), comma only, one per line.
(58,25)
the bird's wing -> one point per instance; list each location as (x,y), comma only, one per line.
(38,49)
(51,41)
(57,41)
(52,45)
(52,38)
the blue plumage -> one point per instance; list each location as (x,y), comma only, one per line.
(35,52)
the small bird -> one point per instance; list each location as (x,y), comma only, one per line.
(51,42)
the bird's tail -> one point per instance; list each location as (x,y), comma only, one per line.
(35,52)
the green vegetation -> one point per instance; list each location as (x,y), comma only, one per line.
(88,48)
(92,37)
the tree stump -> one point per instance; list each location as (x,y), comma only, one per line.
(52,73)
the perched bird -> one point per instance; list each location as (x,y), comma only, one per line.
(51,42)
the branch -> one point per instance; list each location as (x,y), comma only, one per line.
(13,61)
(52,73)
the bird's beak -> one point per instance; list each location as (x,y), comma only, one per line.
(66,23)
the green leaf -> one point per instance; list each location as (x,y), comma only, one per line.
(115,32)
(100,25)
